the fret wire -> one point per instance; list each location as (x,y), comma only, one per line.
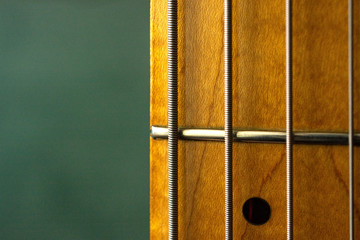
(351,125)
(228,119)
(289,122)
(257,136)
(173,119)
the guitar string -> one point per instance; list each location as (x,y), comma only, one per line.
(173,119)
(228,119)
(351,125)
(289,122)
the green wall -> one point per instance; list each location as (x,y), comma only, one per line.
(74,129)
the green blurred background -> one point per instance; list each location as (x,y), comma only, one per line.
(74,100)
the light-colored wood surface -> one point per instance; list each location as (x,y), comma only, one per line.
(320,104)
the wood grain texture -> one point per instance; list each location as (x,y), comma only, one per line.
(320,104)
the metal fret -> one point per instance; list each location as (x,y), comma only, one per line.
(258,136)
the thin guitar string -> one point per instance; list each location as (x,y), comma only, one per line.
(228,120)
(289,122)
(173,119)
(351,124)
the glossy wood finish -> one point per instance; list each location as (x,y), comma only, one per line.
(320,104)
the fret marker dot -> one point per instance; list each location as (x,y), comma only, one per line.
(256,211)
